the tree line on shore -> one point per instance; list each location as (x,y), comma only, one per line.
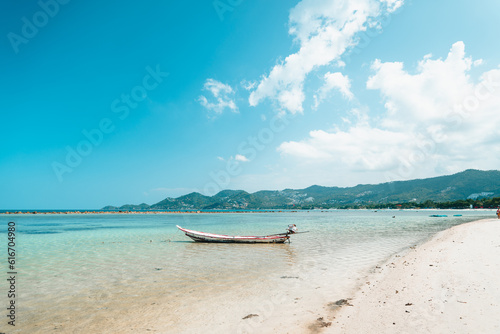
(486,203)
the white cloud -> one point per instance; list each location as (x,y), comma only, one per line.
(333,81)
(222,97)
(392,5)
(239,157)
(248,85)
(324,30)
(425,98)
(360,148)
(478,62)
(437,120)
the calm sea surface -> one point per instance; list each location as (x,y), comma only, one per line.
(76,272)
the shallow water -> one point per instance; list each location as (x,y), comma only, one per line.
(137,272)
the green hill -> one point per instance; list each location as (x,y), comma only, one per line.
(470,184)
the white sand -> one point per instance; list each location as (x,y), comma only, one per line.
(451,284)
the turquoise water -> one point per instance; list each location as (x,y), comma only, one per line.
(90,272)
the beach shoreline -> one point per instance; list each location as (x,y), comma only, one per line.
(134,212)
(447,284)
(194,211)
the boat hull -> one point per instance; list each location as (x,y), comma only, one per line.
(220,238)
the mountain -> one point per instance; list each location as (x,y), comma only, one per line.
(470,184)
(142,206)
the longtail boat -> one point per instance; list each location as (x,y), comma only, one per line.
(210,237)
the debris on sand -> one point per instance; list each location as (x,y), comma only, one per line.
(342,302)
(321,323)
(250,316)
(339,303)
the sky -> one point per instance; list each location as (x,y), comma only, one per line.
(120,102)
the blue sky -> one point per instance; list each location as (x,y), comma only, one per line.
(120,103)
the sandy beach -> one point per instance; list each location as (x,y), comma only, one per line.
(450,284)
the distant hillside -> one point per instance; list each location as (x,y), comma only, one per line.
(142,206)
(470,184)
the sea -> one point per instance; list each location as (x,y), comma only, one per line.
(137,273)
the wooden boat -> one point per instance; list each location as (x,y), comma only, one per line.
(210,237)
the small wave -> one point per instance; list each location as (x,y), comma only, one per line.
(40,232)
